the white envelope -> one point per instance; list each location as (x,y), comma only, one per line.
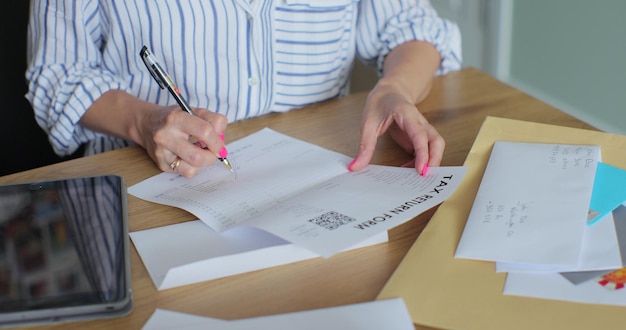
(591,287)
(600,251)
(555,286)
(531,206)
(191,252)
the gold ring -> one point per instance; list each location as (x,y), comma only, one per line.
(175,163)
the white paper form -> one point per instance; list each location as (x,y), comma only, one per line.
(353,206)
(270,167)
(389,314)
(531,206)
(273,168)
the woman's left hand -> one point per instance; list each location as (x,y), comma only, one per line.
(389,109)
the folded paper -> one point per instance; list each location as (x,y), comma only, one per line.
(191,252)
(302,193)
(390,314)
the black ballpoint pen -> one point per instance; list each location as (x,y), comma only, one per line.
(164,81)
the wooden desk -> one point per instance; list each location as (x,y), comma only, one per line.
(456,106)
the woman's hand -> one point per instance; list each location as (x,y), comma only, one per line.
(408,73)
(175,140)
(388,109)
(183,143)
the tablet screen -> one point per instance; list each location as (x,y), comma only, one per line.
(64,250)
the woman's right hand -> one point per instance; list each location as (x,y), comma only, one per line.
(168,134)
(179,142)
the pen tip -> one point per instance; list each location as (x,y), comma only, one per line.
(227,164)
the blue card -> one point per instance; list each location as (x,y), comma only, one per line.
(609,192)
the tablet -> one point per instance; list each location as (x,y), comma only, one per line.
(64,251)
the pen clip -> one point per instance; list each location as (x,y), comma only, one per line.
(152,66)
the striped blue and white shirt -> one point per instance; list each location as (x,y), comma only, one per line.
(241,58)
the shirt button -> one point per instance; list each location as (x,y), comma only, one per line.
(249,17)
(252,81)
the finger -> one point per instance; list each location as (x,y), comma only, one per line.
(174,164)
(164,158)
(369,136)
(183,168)
(223,152)
(194,153)
(421,147)
(412,135)
(217,121)
(431,155)
(203,129)
(203,143)
(437,145)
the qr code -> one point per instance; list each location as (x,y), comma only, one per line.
(331,220)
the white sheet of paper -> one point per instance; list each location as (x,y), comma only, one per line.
(531,206)
(555,286)
(582,287)
(600,251)
(273,168)
(163,319)
(355,205)
(191,252)
(390,314)
(270,167)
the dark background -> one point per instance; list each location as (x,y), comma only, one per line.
(23,143)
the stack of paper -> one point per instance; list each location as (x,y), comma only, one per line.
(543,213)
(290,200)
(452,293)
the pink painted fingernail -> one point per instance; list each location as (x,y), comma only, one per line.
(223,152)
(350,165)
(425,170)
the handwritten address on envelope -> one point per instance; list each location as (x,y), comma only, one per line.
(532,203)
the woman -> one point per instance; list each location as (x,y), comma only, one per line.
(232,60)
